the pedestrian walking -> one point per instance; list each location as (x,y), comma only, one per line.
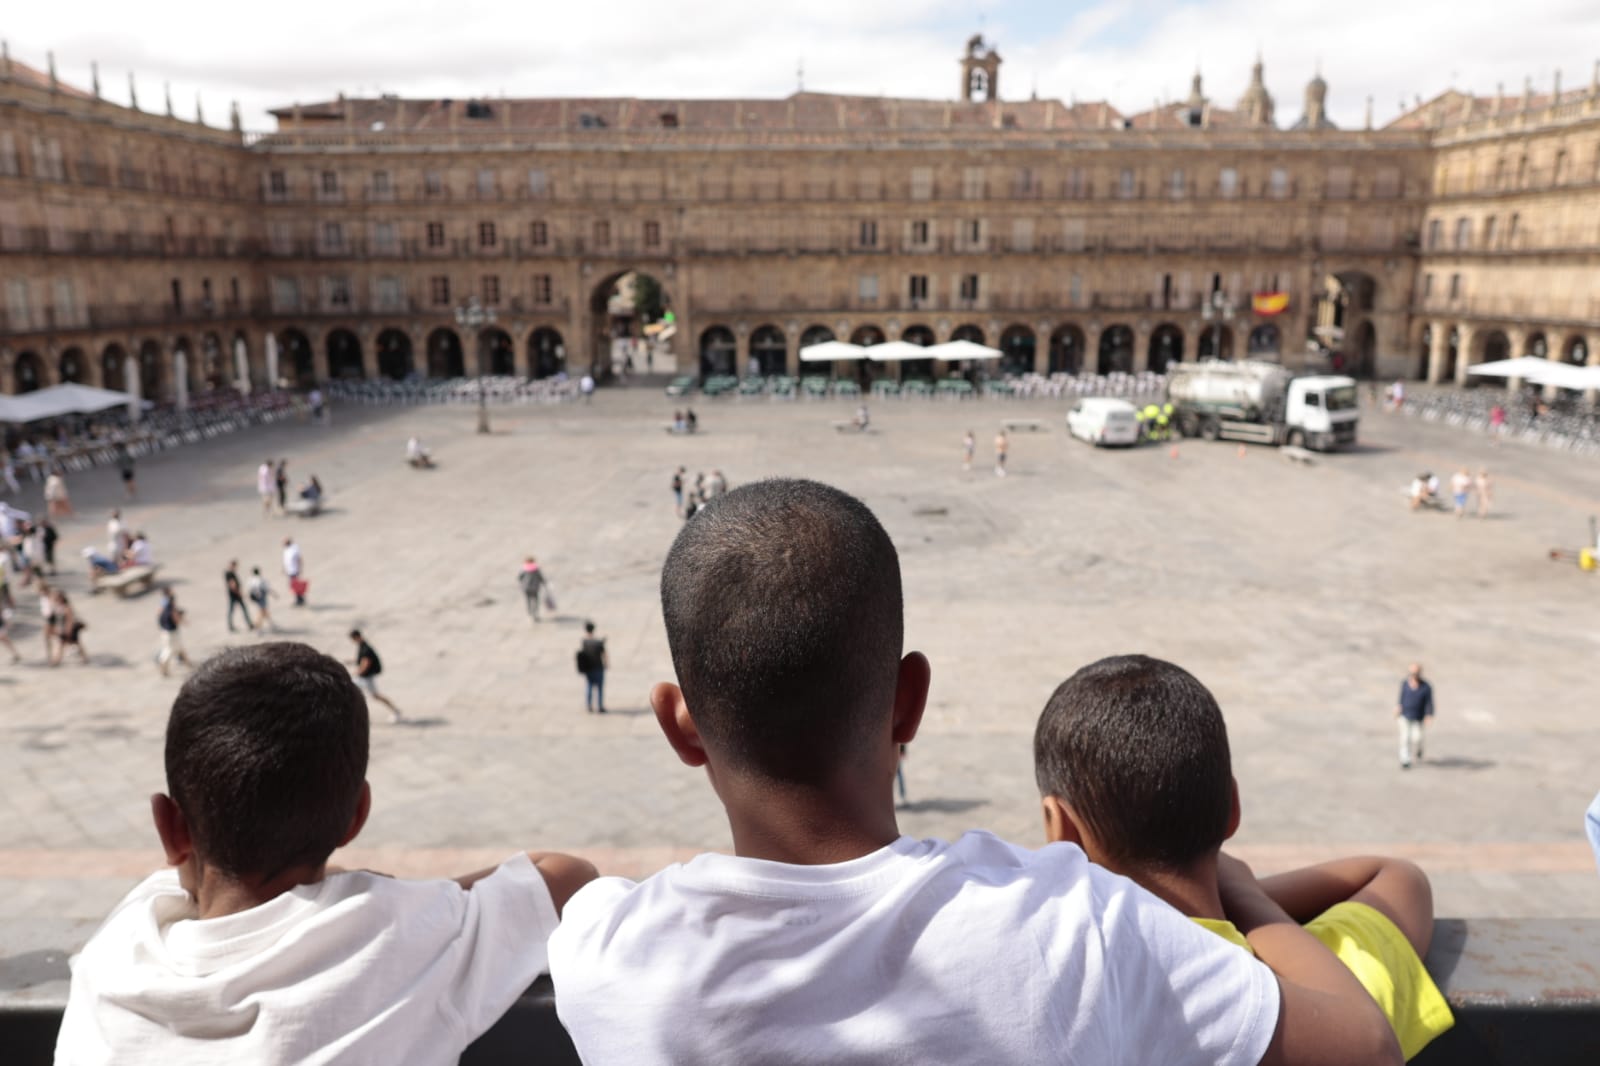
(535,587)
(1460,487)
(170,621)
(293,568)
(1485,490)
(57,501)
(586,387)
(47,538)
(5,634)
(125,467)
(969,445)
(280,481)
(1001,445)
(47,619)
(1497,423)
(8,472)
(230,580)
(677,488)
(259,594)
(116,536)
(716,485)
(592,663)
(69,629)
(1413,709)
(368,667)
(317,408)
(264,486)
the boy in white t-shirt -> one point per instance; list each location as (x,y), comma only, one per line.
(828,936)
(251,949)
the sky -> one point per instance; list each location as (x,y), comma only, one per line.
(1130,52)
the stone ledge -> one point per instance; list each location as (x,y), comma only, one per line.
(1523,990)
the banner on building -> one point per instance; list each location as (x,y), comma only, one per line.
(1269,303)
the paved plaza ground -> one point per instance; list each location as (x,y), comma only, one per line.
(1297,594)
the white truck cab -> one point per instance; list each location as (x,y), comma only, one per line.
(1322,411)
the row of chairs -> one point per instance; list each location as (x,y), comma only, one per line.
(1564,426)
(497,390)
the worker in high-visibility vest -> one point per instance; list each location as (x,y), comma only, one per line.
(1150,416)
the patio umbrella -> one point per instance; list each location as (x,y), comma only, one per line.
(957,351)
(1527,366)
(898,351)
(1567,376)
(58,400)
(829,351)
(272,360)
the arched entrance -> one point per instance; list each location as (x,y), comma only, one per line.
(1492,346)
(546,354)
(113,368)
(815,335)
(1537,346)
(1166,346)
(917,369)
(866,336)
(718,351)
(1216,342)
(1424,353)
(1452,354)
(621,305)
(295,360)
(1345,301)
(213,367)
(1116,350)
(151,379)
(394,354)
(968,332)
(344,355)
(769,352)
(1265,341)
(72,366)
(1066,350)
(1576,351)
(1363,362)
(1017,347)
(497,356)
(28,372)
(444,354)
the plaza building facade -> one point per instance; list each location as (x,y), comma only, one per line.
(138,249)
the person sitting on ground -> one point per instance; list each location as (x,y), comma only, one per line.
(679,423)
(863,420)
(829,937)
(252,949)
(1132,760)
(417,453)
(690,420)
(311,491)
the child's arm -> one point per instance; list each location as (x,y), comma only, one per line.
(1325,1017)
(563,874)
(1395,888)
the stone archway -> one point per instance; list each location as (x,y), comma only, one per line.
(621,304)
(444,354)
(497,356)
(547,355)
(27,372)
(917,369)
(114,367)
(152,381)
(969,333)
(1165,348)
(1424,353)
(1018,345)
(866,336)
(718,352)
(1216,342)
(1265,341)
(72,366)
(1116,350)
(344,355)
(394,355)
(769,351)
(295,361)
(1575,350)
(213,368)
(815,335)
(1066,350)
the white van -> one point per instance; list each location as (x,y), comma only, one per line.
(1104,420)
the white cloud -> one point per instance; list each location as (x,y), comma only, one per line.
(1130,51)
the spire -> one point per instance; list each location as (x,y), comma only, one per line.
(1555,93)
(233,117)
(1594,82)
(1197,99)
(1527,93)
(199,112)
(167,88)
(1369,112)
(133,92)
(5,62)
(94,78)
(50,59)
(1499,96)
(1256,103)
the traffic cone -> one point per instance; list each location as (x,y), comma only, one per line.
(1172,453)
(1241,451)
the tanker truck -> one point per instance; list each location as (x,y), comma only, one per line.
(1262,403)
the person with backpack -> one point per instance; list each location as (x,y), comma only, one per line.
(368,667)
(259,592)
(592,663)
(170,620)
(230,582)
(535,586)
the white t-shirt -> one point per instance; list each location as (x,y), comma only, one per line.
(355,969)
(921,952)
(266,481)
(139,553)
(291,560)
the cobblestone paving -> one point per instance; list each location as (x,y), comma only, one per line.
(1297,594)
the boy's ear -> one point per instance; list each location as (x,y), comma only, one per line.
(1233,808)
(1059,825)
(359,820)
(911,696)
(677,725)
(173,829)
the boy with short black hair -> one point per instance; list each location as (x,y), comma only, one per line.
(1132,760)
(828,936)
(252,949)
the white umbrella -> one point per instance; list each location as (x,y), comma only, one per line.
(241,365)
(58,400)
(180,368)
(272,360)
(829,351)
(1568,376)
(1527,366)
(958,351)
(897,351)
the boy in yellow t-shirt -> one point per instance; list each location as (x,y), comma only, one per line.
(1132,760)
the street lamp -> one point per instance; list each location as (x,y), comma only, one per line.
(472,317)
(1218,310)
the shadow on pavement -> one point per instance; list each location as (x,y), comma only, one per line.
(1457,762)
(943,806)
(422,723)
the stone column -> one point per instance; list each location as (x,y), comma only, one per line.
(1141,346)
(369,356)
(1465,357)
(133,384)
(1592,341)
(319,355)
(1438,349)
(7,386)
(1515,339)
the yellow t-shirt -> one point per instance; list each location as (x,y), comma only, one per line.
(1383,961)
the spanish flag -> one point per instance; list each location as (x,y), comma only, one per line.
(1267,304)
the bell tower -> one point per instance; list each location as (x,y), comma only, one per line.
(980,72)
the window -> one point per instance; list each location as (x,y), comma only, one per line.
(1125,183)
(491,290)
(973,231)
(336,293)
(332,236)
(486,235)
(972,183)
(922,183)
(385,238)
(1435,229)
(1522,172)
(433,183)
(1278,183)
(486,182)
(8,155)
(280,235)
(538,184)
(1338,186)
(17,310)
(436,235)
(867,288)
(1072,235)
(1511,231)
(669,120)
(389,294)
(380,184)
(652,234)
(541,288)
(1381,233)
(1228,183)
(1022,235)
(1490,224)
(277,184)
(1075,186)
(330,183)
(1386,183)
(439,289)
(1427,287)
(868,233)
(969,286)
(1175,184)
(602,234)
(1463,232)
(869,185)
(539,234)
(1334,233)
(1075,290)
(1455,287)
(917,288)
(1560,171)
(285,294)
(919,232)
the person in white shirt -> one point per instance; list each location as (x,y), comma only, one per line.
(292,566)
(828,936)
(417,454)
(266,486)
(251,949)
(116,536)
(139,552)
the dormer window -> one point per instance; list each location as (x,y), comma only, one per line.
(479,109)
(669,120)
